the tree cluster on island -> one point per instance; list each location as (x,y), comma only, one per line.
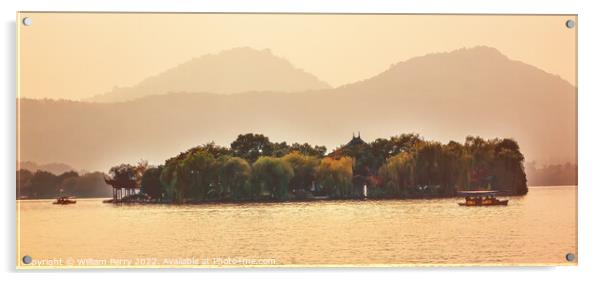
(42,184)
(255,169)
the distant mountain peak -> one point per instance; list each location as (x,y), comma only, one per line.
(480,51)
(483,49)
(238,51)
(236,70)
(244,49)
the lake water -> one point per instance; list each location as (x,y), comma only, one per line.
(540,227)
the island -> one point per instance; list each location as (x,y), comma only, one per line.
(254,169)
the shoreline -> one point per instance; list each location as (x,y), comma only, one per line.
(244,202)
(300,200)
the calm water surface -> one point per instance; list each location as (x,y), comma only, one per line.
(540,227)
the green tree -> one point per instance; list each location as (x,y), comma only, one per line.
(215,150)
(171,180)
(251,147)
(428,170)
(397,175)
(307,149)
(124,173)
(479,161)
(199,172)
(508,168)
(151,183)
(453,167)
(280,149)
(234,173)
(383,149)
(271,176)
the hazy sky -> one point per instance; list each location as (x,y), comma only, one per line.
(76,56)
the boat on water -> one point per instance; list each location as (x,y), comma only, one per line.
(481,198)
(64,200)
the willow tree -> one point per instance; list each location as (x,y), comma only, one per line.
(200,172)
(234,172)
(428,163)
(479,161)
(171,181)
(335,176)
(304,169)
(397,175)
(453,167)
(271,176)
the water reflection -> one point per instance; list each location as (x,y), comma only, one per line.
(537,228)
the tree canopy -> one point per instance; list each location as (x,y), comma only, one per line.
(403,166)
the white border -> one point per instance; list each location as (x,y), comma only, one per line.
(590,21)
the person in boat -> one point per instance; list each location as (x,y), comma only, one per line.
(64,200)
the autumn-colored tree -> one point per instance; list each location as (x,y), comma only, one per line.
(304,168)
(335,176)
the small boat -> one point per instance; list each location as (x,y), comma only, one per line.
(481,198)
(64,200)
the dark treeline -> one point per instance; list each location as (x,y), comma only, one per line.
(43,184)
(255,169)
(550,175)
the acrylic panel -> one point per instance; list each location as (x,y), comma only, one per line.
(295,140)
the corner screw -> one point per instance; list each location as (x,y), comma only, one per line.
(570,23)
(26,259)
(27,21)
(570,257)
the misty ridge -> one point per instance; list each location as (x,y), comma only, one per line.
(443,96)
(231,71)
(54,168)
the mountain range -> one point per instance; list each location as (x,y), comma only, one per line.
(442,96)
